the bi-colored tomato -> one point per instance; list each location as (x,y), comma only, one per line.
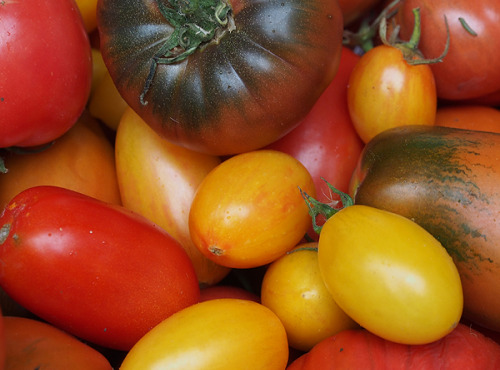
(248,211)
(390,275)
(45,70)
(97,271)
(223,334)
(294,290)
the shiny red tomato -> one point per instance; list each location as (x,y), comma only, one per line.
(470,68)
(45,70)
(96,270)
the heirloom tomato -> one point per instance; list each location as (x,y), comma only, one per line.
(222,77)
(223,334)
(30,343)
(45,70)
(158,179)
(95,270)
(470,68)
(294,290)
(390,275)
(248,210)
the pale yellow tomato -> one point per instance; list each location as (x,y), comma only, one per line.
(248,211)
(390,275)
(158,179)
(222,334)
(294,290)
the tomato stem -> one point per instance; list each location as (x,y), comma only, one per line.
(317,208)
(196,23)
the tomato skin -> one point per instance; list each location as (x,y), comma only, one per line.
(248,211)
(238,94)
(223,334)
(326,142)
(353,10)
(103,273)
(390,275)
(42,44)
(468,70)
(469,117)
(385,91)
(159,179)
(31,342)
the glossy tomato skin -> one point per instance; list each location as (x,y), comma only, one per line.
(101,272)
(45,70)
(385,91)
(469,117)
(224,334)
(469,70)
(239,94)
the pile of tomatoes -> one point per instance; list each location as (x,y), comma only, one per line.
(181,184)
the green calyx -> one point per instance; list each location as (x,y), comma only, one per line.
(317,208)
(196,23)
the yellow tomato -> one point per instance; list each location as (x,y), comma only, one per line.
(390,275)
(217,334)
(81,160)
(99,69)
(294,290)
(248,211)
(158,180)
(88,11)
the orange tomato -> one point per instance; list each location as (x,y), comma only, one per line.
(32,344)
(385,91)
(223,334)
(469,117)
(158,179)
(81,160)
(248,211)
(294,290)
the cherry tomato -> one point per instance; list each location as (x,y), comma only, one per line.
(158,179)
(95,270)
(248,211)
(32,344)
(45,70)
(294,290)
(385,91)
(390,275)
(469,117)
(224,334)
(470,69)
(81,160)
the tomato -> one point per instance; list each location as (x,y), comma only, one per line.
(158,179)
(294,290)
(31,343)
(258,71)
(469,69)
(385,91)
(390,275)
(96,270)
(224,334)
(353,10)
(227,291)
(248,211)
(469,117)
(88,11)
(81,160)
(326,142)
(45,70)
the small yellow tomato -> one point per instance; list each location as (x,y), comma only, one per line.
(158,180)
(222,334)
(390,275)
(294,290)
(248,211)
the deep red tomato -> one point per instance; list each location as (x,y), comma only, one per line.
(470,69)
(258,71)
(326,142)
(96,270)
(45,70)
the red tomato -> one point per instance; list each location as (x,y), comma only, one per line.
(30,343)
(470,69)
(96,270)
(45,70)
(326,142)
